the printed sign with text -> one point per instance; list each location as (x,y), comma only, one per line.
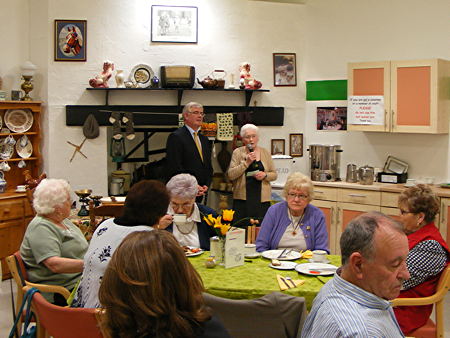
(366,110)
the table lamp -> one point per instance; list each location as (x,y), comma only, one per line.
(28,70)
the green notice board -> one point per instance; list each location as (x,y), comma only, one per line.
(326,90)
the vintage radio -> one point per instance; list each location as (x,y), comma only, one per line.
(177,76)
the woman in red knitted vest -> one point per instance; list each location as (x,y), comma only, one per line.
(428,255)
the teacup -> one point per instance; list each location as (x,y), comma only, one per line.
(4,166)
(21,188)
(319,256)
(179,218)
(21,164)
(249,249)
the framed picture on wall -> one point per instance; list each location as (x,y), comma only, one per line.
(174,24)
(70,40)
(296,145)
(331,118)
(284,69)
(277,147)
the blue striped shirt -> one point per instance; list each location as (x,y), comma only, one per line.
(341,309)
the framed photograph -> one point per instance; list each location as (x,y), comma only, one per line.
(70,40)
(277,147)
(174,24)
(296,145)
(284,69)
(331,118)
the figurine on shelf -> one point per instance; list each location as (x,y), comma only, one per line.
(33,182)
(101,80)
(246,80)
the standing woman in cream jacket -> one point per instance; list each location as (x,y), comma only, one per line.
(251,170)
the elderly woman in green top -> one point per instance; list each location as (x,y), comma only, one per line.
(53,247)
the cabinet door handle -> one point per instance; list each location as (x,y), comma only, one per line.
(318,192)
(357,195)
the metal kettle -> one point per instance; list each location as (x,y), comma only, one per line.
(352,173)
(366,175)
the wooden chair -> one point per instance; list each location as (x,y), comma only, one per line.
(104,210)
(64,322)
(19,273)
(430,329)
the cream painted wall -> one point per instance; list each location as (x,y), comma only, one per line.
(343,31)
(324,34)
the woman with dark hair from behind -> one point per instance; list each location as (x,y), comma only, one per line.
(151,290)
(145,204)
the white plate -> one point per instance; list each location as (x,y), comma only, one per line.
(326,261)
(273,254)
(141,75)
(6,150)
(194,253)
(284,266)
(19,120)
(106,200)
(255,255)
(24,148)
(323,269)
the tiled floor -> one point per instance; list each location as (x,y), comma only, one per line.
(6,315)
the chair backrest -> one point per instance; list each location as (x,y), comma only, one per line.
(64,322)
(19,273)
(437,298)
(112,210)
(274,315)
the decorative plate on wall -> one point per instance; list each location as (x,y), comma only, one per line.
(141,75)
(19,120)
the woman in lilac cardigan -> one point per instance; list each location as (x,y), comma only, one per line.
(294,223)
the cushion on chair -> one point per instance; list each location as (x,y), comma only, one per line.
(426,331)
(274,315)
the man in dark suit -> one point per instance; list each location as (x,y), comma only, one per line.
(188,151)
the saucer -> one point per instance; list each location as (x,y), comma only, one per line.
(254,255)
(25,190)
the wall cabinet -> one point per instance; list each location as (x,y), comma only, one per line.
(415,94)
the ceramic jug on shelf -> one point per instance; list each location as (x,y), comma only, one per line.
(2,182)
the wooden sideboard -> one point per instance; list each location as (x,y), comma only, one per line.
(15,214)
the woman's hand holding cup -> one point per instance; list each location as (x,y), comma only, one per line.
(165,221)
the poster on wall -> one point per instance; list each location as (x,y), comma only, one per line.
(70,40)
(174,24)
(331,118)
(367,110)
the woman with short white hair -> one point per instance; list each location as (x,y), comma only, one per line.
(251,171)
(53,247)
(294,223)
(188,226)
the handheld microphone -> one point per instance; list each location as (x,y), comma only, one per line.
(250,148)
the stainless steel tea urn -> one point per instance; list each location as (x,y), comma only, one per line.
(324,162)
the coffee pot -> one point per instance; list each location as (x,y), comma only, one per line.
(352,173)
(366,175)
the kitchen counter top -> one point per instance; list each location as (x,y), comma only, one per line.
(376,186)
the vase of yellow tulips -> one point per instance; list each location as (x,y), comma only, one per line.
(221,225)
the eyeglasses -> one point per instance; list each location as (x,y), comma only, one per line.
(196,112)
(404,212)
(183,206)
(250,136)
(299,196)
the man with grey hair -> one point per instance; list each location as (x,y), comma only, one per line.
(188,151)
(355,303)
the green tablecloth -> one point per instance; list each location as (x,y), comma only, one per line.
(256,279)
